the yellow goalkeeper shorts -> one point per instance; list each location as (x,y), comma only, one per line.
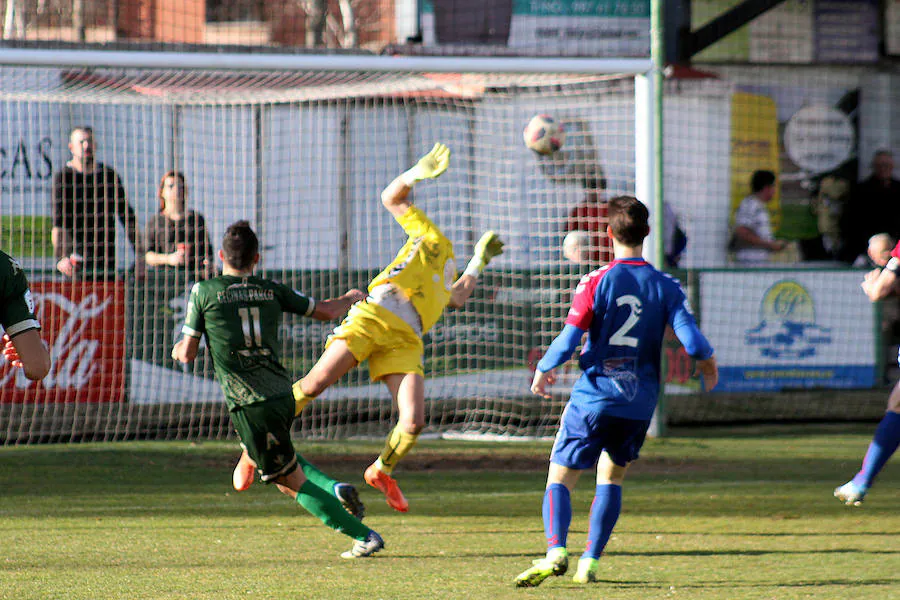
(374,333)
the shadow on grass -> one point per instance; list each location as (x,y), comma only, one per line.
(464,555)
(180,480)
(793,431)
(720,552)
(731,533)
(813,583)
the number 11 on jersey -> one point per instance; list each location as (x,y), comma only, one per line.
(250,321)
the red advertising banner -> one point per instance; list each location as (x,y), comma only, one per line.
(84,324)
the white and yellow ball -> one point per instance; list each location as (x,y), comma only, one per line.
(544,134)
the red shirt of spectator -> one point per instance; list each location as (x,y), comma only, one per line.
(895,253)
(591,216)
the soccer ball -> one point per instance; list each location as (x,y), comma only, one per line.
(544,134)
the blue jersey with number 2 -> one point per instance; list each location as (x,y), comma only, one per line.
(625,307)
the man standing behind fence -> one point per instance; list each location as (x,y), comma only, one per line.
(88,199)
(753,241)
(874,207)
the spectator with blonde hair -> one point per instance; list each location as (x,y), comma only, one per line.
(178,253)
(177,237)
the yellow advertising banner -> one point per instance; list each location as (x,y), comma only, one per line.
(754,147)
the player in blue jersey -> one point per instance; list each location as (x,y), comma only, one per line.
(625,308)
(878,285)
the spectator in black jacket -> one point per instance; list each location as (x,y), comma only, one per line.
(874,208)
(88,199)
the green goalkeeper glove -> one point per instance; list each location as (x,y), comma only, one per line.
(489,246)
(429,166)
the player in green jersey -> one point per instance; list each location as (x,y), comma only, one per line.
(22,344)
(240,314)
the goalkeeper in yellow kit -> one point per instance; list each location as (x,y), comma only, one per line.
(405,301)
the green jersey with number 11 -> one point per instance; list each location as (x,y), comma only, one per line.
(240,317)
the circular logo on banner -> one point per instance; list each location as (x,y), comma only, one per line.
(788,301)
(819,138)
(787,326)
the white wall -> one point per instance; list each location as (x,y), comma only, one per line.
(697,172)
(217,154)
(879,119)
(301,162)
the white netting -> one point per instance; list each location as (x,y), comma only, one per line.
(303,156)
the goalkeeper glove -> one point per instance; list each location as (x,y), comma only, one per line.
(300,399)
(489,246)
(429,166)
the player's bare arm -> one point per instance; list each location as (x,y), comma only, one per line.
(879,284)
(186,349)
(489,246)
(28,352)
(430,166)
(394,197)
(461,291)
(328,310)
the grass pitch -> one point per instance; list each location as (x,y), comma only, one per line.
(708,514)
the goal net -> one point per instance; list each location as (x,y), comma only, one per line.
(302,155)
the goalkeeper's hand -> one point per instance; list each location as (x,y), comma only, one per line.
(489,246)
(429,166)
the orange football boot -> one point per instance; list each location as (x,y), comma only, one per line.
(388,486)
(244,473)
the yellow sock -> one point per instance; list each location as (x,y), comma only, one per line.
(397,445)
(300,399)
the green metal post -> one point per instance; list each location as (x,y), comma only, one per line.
(657,56)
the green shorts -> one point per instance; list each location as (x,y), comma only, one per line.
(265,430)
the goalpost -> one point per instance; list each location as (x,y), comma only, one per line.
(301,145)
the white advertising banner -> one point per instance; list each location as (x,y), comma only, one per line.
(781,329)
(601,28)
(783,34)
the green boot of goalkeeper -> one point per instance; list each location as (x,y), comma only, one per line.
(556,563)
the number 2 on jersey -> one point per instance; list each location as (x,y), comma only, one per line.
(250,322)
(620,337)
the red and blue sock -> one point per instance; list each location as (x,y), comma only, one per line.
(557,512)
(884,444)
(604,513)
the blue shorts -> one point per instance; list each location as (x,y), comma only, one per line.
(583,434)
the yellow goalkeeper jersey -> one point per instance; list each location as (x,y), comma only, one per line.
(424,269)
